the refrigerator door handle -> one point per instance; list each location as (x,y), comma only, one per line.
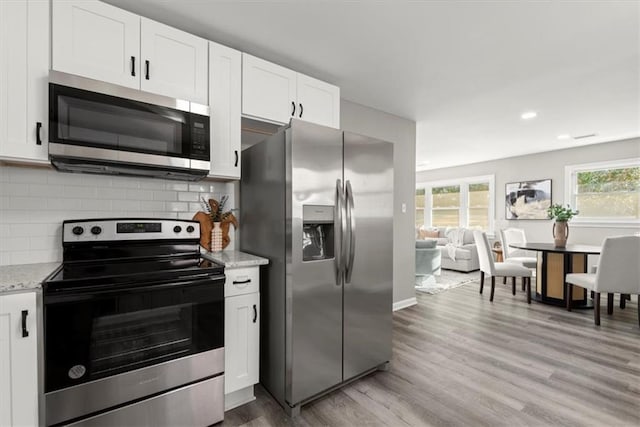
(339,230)
(351,231)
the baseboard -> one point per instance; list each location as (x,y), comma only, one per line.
(238,398)
(404,303)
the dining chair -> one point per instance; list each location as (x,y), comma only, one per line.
(511,236)
(618,272)
(498,269)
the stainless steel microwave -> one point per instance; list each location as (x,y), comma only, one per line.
(98,127)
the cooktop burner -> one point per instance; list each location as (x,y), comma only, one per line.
(117,253)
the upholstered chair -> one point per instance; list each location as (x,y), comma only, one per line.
(499,269)
(618,272)
(511,236)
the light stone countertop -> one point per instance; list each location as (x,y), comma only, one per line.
(235,259)
(24,276)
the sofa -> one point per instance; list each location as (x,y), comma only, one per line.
(461,240)
(428,262)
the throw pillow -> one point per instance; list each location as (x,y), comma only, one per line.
(426,233)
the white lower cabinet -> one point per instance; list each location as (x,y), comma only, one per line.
(242,335)
(18,360)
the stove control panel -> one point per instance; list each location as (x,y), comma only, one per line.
(92,230)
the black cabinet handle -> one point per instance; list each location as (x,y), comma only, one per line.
(293,112)
(255,313)
(301,110)
(241,282)
(25,332)
(146,73)
(133,66)
(38,139)
(236,163)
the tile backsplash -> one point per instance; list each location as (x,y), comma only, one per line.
(35,200)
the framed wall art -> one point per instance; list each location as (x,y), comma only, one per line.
(528,199)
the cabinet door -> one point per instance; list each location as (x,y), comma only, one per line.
(318,101)
(18,360)
(241,341)
(96,40)
(174,63)
(24,75)
(268,90)
(225,91)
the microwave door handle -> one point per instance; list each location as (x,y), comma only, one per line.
(351,231)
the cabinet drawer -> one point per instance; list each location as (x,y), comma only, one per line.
(241,281)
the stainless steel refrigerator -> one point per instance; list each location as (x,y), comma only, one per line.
(318,203)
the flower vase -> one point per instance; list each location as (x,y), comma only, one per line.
(216,238)
(560,233)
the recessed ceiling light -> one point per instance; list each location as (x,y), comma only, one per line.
(564,136)
(529,115)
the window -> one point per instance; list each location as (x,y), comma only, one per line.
(466,202)
(479,203)
(605,193)
(419,207)
(445,206)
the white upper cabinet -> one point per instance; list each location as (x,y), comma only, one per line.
(174,63)
(99,41)
(274,93)
(225,89)
(318,101)
(96,40)
(268,90)
(24,76)
(18,358)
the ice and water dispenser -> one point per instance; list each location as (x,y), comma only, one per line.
(317,232)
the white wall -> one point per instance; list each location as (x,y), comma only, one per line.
(35,200)
(402,133)
(541,166)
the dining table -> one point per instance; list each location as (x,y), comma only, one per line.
(553,265)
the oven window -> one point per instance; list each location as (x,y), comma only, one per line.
(125,341)
(94,336)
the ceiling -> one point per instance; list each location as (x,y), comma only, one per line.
(465,71)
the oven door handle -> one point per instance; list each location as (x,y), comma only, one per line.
(93,292)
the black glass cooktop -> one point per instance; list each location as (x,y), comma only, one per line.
(131,272)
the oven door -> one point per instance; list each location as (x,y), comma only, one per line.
(94,335)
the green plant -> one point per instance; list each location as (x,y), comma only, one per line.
(560,213)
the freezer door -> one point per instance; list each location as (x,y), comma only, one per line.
(313,289)
(368,175)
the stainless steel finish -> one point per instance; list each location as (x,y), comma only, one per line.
(308,321)
(75,158)
(315,353)
(199,404)
(83,152)
(368,166)
(92,85)
(203,110)
(87,398)
(351,232)
(264,232)
(202,165)
(339,233)
(109,228)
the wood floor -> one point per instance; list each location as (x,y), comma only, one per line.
(459,360)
